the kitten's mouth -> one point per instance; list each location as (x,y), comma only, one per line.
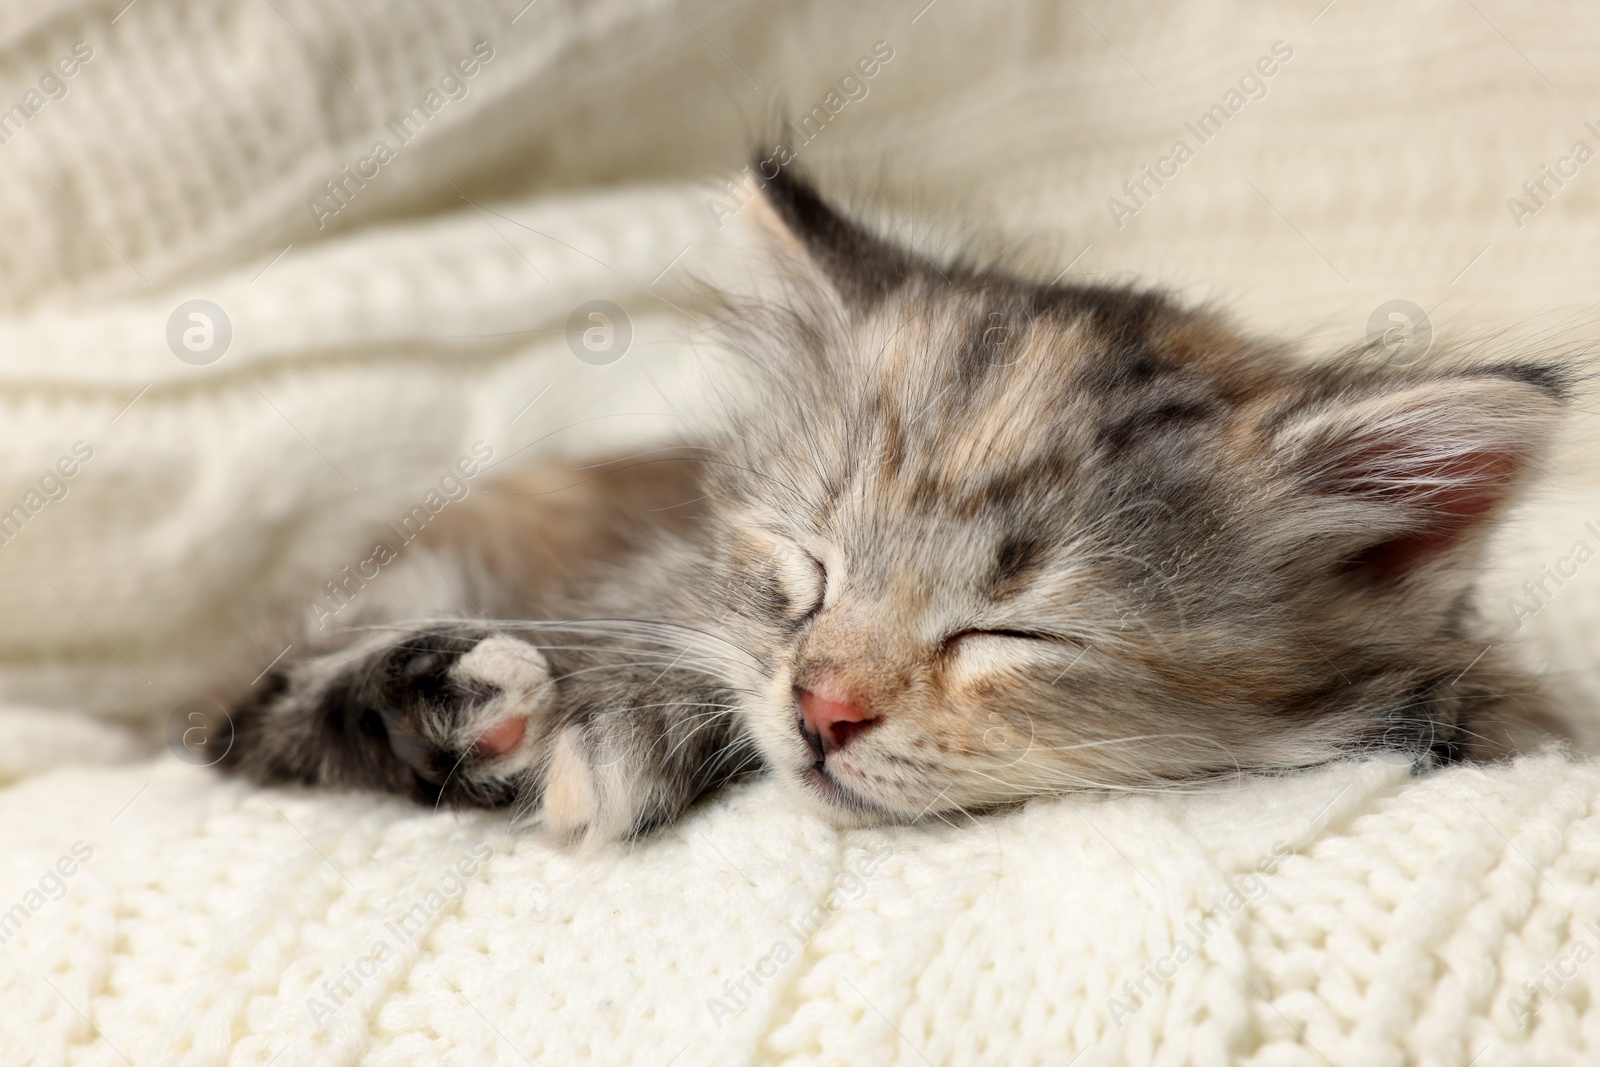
(824,785)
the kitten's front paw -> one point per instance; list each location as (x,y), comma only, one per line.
(512,679)
(474,718)
(457,717)
(465,714)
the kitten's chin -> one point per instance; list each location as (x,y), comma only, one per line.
(834,801)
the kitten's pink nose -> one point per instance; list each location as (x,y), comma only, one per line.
(832,719)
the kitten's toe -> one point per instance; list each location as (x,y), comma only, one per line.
(571,798)
(587,797)
(514,679)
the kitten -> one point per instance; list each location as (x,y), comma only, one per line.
(980,539)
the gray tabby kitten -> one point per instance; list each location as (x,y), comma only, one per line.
(981,539)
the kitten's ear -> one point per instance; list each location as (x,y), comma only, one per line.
(856,265)
(1395,479)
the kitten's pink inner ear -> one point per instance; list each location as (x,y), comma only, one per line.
(1442,457)
(1458,492)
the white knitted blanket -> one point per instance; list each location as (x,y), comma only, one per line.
(374,311)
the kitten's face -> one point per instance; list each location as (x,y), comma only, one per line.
(991,539)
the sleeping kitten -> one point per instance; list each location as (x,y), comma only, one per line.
(979,539)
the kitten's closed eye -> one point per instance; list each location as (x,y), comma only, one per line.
(954,640)
(800,576)
(973,655)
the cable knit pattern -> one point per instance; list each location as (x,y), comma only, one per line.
(151,913)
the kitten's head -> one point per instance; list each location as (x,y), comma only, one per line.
(992,538)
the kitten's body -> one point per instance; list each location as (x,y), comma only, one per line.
(978,539)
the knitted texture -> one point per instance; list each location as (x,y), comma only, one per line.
(152,913)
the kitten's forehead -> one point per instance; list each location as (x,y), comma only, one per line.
(975,387)
(974,396)
(968,432)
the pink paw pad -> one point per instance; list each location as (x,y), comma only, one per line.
(501,738)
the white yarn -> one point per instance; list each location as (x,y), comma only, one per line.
(1374,918)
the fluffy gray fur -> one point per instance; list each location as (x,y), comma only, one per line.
(1053,537)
